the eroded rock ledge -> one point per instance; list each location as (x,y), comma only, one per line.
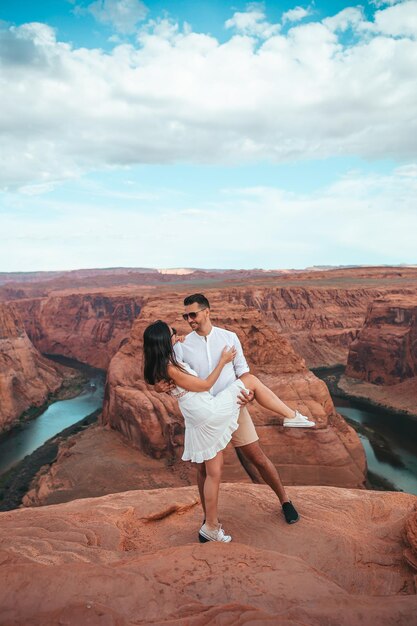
(132,558)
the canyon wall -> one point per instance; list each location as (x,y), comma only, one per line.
(331,454)
(385,350)
(26,377)
(88,327)
(320,322)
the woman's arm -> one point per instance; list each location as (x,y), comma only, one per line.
(194,383)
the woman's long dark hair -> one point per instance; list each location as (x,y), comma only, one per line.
(158,352)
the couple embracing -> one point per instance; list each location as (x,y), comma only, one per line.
(208,374)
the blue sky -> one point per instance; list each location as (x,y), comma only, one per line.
(81,27)
(209,134)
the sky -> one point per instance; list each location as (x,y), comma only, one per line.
(207,134)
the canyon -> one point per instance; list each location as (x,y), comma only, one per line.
(26,377)
(310,318)
(88,327)
(382,360)
(118,509)
(87,317)
(385,350)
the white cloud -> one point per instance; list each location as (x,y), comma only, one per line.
(360,218)
(295,15)
(36,190)
(399,20)
(123,15)
(383,3)
(180,96)
(252,22)
(407,170)
(350,17)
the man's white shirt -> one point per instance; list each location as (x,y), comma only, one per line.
(202,354)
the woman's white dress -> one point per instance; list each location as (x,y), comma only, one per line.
(210,420)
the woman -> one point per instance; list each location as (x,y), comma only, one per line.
(209,420)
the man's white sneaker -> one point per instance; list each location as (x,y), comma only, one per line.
(214,535)
(299,421)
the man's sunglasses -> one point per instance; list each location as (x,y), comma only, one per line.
(192,315)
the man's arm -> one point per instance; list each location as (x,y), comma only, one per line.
(239,363)
(241,367)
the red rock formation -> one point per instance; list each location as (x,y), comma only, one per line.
(410,535)
(88,327)
(385,351)
(399,398)
(98,461)
(320,312)
(319,322)
(26,377)
(332,454)
(132,558)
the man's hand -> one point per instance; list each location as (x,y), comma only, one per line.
(163,386)
(245,397)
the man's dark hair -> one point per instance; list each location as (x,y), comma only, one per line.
(198,298)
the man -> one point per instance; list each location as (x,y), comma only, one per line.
(201,350)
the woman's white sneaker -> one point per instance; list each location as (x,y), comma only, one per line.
(299,421)
(214,535)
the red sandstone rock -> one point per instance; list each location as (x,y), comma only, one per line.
(320,323)
(331,454)
(132,558)
(385,351)
(26,377)
(319,312)
(88,327)
(401,397)
(98,461)
(410,533)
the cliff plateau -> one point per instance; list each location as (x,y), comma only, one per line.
(132,558)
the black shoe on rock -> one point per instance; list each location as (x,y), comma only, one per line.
(290,513)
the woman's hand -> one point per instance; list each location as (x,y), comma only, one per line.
(227,355)
(164,386)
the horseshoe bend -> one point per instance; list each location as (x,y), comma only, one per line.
(118,508)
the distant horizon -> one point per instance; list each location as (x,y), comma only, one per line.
(179,270)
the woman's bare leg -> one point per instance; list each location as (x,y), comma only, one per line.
(265,397)
(211,489)
(201,479)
